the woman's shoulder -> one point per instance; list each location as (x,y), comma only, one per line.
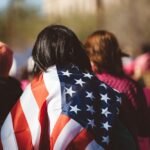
(119,82)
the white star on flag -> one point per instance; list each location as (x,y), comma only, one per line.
(75,109)
(89,95)
(105,139)
(103,85)
(91,123)
(104,97)
(66,73)
(105,112)
(118,99)
(90,109)
(80,82)
(88,75)
(69,91)
(106,125)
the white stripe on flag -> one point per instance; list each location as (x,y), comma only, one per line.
(7,135)
(54,103)
(68,133)
(31,112)
(93,145)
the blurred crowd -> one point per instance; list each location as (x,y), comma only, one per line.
(138,68)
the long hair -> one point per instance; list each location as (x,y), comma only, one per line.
(58,45)
(104,52)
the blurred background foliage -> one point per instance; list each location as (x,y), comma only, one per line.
(129,21)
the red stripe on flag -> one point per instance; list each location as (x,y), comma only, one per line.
(40,93)
(44,139)
(39,90)
(21,128)
(81,140)
(60,124)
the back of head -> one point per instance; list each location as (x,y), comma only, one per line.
(58,45)
(6,57)
(103,50)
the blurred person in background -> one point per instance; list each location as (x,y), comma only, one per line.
(138,67)
(128,65)
(10,88)
(142,65)
(105,55)
(142,73)
(139,70)
(27,73)
(61,107)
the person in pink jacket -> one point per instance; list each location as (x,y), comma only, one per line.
(105,55)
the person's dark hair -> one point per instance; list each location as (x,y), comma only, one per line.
(58,45)
(104,52)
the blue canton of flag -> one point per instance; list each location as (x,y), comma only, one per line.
(90,102)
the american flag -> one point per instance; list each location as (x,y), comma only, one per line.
(62,109)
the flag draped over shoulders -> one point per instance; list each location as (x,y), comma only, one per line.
(62,109)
